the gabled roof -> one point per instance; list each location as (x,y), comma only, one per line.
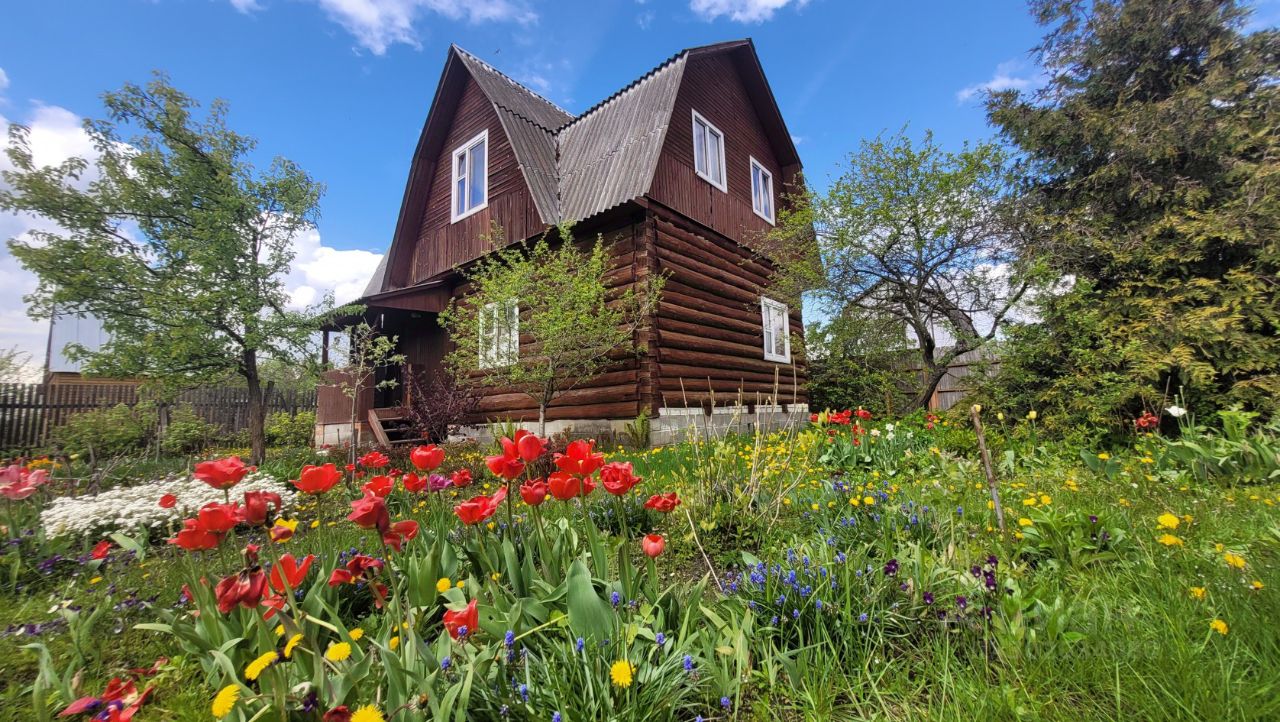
(575,167)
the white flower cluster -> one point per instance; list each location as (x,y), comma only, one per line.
(128,508)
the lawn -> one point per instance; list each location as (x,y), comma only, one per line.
(850,569)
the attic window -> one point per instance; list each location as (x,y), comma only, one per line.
(708,152)
(470,177)
(761,191)
(777,333)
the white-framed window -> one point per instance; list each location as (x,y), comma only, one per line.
(777,330)
(499,334)
(470,177)
(761,191)
(708,152)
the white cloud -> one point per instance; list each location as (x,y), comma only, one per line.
(742,11)
(319,269)
(645,19)
(4,79)
(1009,75)
(379,24)
(246,6)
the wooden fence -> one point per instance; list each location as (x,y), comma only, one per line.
(29,412)
(961,373)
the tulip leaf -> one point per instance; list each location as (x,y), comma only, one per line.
(588,613)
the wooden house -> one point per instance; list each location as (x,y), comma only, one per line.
(678,171)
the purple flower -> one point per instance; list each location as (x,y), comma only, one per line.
(891,567)
(928,597)
(962,602)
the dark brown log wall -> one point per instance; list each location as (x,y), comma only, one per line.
(443,245)
(712,87)
(709,334)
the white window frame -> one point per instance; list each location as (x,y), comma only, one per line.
(465,149)
(768,306)
(723,183)
(497,351)
(768,177)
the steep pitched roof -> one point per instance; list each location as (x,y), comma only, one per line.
(575,167)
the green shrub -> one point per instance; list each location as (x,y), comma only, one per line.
(286,430)
(186,432)
(110,431)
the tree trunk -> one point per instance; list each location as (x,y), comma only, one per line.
(933,378)
(542,419)
(257,410)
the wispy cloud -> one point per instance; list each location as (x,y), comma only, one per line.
(742,11)
(645,19)
(1009,75)
(379,24)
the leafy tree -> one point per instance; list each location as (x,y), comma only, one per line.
(14,365)
(916,235)
(543,319)
(173,239)
(860,361)
(366,351)
(1154,151)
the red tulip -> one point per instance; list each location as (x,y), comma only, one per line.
(399,533)
(245,589)
(534,492)
(427,458)
(168,501)
(529,446)
(289,571)
(374,460)
(370,512)
(652,545)
(580,458)
(664,503)
(479,508)
(468,620)
(195,538)
(222,473)
(100,550)
(257,507)
(618,478)
(413,483)
(563,485)
(461,478)
(359,567)
(507,465)
(219,518)
(281,533)
(380,485)
(862,413)
(317,479)
(338,714)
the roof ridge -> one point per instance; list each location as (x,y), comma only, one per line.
(624,89)
(510,80)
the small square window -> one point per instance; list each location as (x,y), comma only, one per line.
(499,334)
(777,330)
(708,152)
(761,191)
(470,177)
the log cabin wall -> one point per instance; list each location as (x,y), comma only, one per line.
(713,88)
(709,333)
(441,244)
(613,394)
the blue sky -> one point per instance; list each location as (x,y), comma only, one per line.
(343,86)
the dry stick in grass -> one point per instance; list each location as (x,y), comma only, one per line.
(974,412)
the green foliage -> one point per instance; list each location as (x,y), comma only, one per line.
(179,245)
(1233,455)
(860,360)
(110,431)
(907,238)
(186,432)
(1154,154)
(291,430)
(541,318)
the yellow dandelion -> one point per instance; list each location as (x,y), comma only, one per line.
(225,700)
(394,643)
(95,580)
(460,584)
(337,651)
(622,672)
(259,665)
(279,630)
(1024,522)
(869,500)
(1197,592)
(315,524)
(854,501)
(1045,499)
(1256,585)
(1233,560)
(1169,540)
(1168,521)
(1218,626)
(368,713)
(289,646)
(356,634)
(443,584)
(1031,415)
